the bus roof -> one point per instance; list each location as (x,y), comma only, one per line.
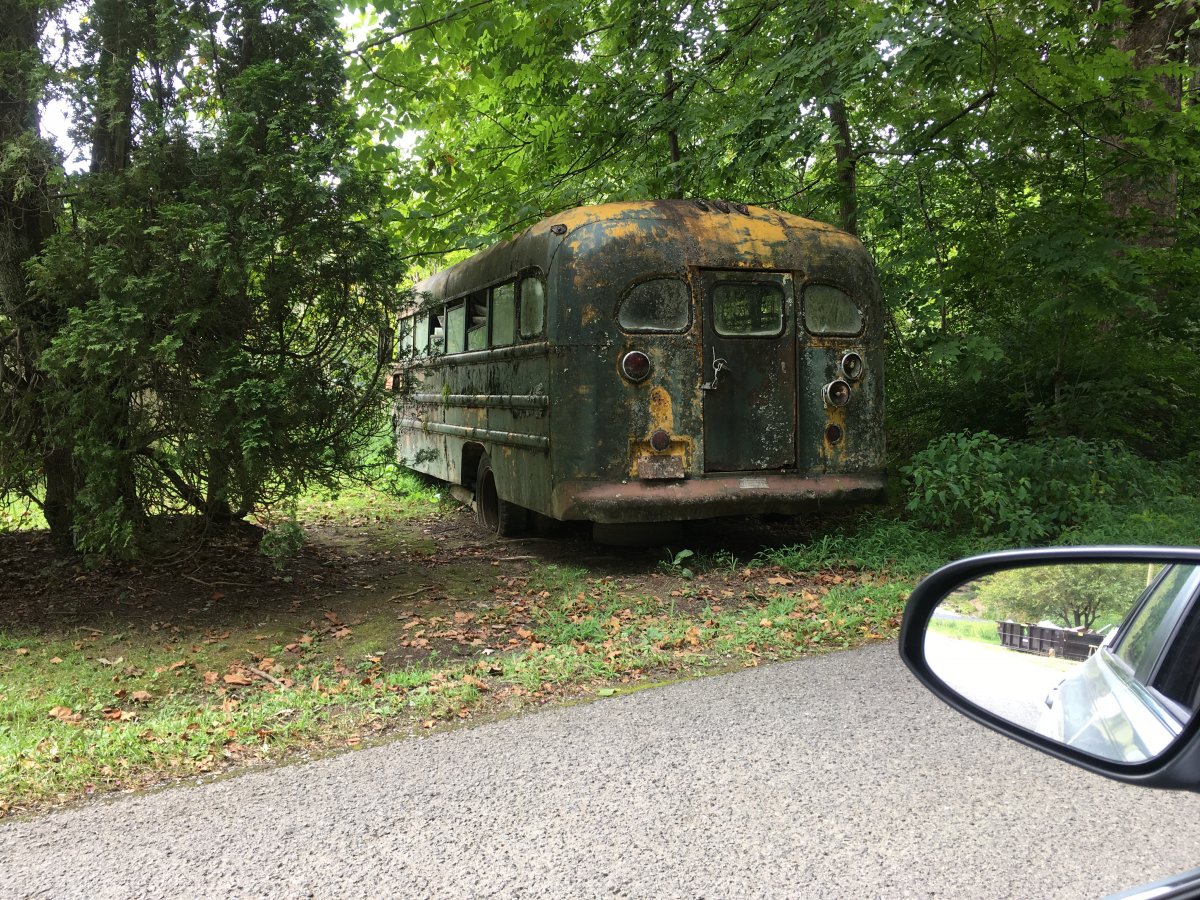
(751,231)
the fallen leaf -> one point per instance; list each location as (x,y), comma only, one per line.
(22,651)
(343,633)
(764,623)
(178,665)
(472,680)
(110,662)
(779,579)
(305,639)
(238,678)
(66,714)
(333,618)
(141,696)
(464,617)
(55,660)
(211,677)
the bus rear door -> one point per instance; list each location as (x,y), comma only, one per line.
(749,371)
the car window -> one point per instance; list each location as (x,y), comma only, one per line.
(1178,678)
(1152,623)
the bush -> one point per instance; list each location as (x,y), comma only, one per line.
(1029,491)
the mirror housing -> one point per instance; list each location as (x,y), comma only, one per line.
(1178,766)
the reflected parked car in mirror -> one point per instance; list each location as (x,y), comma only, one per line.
(1135,694)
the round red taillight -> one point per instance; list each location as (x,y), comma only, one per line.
(660,440)
(837,393)
(635,365)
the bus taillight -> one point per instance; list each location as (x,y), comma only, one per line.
(852,366)
(837,393)
(635,365)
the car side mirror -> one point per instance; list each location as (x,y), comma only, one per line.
(1090,654)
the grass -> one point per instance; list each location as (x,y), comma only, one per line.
(18,514)
(966,630)
(83,711)
(402,495)
(879,542)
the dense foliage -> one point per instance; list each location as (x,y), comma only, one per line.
(207,307)
(1023,172)
(1083,596)
(191,321)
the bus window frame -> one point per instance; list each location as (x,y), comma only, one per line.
(471,299)
(521,278)
(491,296)
(802,308)
(787,290)
(657,276)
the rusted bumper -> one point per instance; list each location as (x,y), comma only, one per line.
(713,495)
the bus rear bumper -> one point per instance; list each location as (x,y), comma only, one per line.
(710,496)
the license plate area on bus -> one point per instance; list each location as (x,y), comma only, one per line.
(653,468)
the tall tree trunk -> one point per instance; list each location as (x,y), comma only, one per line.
(673,137)
(1154,33)
(847,162)
(112,130)
(26,221)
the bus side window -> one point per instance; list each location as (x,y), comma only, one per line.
(504,315)
(533,307)
(420,335)
(405,337)
(477,324)
(456,327)
(437,336)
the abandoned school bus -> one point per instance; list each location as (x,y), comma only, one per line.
(651,361)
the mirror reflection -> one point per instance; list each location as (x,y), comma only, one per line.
(1102,657)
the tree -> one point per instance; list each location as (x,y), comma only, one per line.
(1074,596)
(219,272)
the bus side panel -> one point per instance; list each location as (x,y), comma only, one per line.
(523,473)
(456,409)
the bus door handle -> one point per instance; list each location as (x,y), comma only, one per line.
(719,365)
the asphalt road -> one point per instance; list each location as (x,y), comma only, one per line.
(836,776)
(1012,685)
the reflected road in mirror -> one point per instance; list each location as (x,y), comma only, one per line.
(1101,657)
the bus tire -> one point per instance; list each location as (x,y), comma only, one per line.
(492,511)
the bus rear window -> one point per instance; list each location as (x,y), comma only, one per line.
(829,310)
(747,308)
(662,304)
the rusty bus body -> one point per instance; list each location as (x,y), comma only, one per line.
(651,361)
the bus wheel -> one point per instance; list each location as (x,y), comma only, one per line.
(493,513)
